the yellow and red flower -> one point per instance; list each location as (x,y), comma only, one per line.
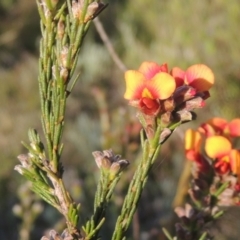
(214,126)
(148,85)
(220,149)
(198,76)
(217,135)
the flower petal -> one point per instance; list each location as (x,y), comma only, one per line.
(179,76)
(150,69)
(149,106)
(134,84)
(213,126)
(235,161)
(217,146)
(207,130)
(221,166)
(200,77)
(193,140)
(161,86)
(217,123)
(233,128)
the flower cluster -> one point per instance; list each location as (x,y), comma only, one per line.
(217,136)
(93,9)
(53,235)
(215,176)
(156,91)
(109,162)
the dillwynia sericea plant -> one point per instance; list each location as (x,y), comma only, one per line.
(163,99)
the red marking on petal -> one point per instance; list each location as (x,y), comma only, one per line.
(237,188)
(200,77)
(207,130)
(164,68)
(191,155)
(192,92)
(178,75)
(202,104)
(203,164)
(149,106)
(221,167)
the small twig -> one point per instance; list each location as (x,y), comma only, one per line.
(108,44)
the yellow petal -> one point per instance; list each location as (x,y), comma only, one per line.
(200,77)
(235,161)
(134,84)
(161,86)
(217,146)
(193,140)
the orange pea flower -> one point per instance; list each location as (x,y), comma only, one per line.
(214,126)
(147,85)
(219,149)
(198,76)
(193,141)
(219,126)
(218,136)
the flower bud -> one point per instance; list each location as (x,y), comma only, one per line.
(17,210)
(100,160)
(109,161)
(166,132)
(167,105)
(189,105)
(24,160)
(93,10)
(184,93)
(185,116)
(60,28)
(64,74)
(119,166)
(63,57)
(20,169)
(166,118)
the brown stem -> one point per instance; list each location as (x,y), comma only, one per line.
(108,44)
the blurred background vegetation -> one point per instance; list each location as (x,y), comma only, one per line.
(179,32)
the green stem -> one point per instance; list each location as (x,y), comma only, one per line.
(136,187)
